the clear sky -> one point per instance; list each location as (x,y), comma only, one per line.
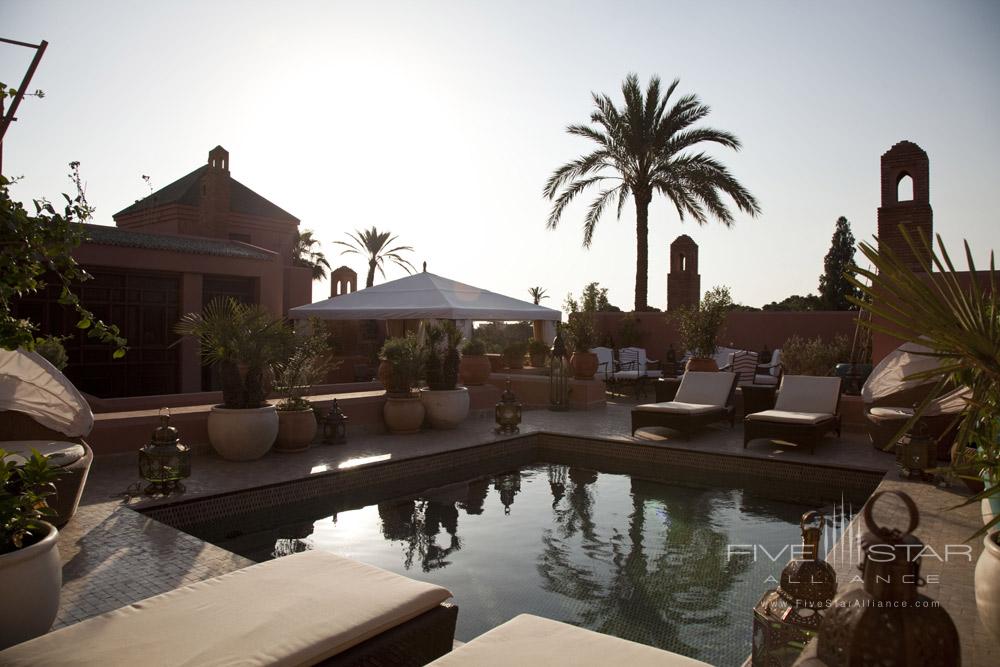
(442,120)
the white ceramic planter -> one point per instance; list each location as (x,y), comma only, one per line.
(30,579)
(403,415)
(446,409)
(242,435)
(988,585)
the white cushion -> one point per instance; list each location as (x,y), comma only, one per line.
(892,413)
(768,380)
(804,393)
(775,361)
(295,610)
(705,388)
(789,417)
(654,374)
(58,452)
(532,640)
(677,407)
(626,375)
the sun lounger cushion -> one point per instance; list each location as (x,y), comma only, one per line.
(705,388)
(804,393)
(295,610)
(760,378)
(891,413)
(532,640)
(678,408)
(59,453)
(786,417)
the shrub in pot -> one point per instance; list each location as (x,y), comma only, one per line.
(699,326)
(446,403)
(538,352)
(403,412)
(307,365)
(474,368)
(30,567)
(245,342)
(580,336)
(513,354)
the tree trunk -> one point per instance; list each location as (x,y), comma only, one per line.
(371,275)
(642,200)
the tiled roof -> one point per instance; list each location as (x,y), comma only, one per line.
(107,235)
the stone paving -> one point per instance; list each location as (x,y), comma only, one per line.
(114,555)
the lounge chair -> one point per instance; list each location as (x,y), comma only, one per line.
(308,608)
(805,410)
(701,399)
(769,373)
(636,357)
(533,640)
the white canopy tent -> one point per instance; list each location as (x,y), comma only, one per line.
(426,296)
(30,384)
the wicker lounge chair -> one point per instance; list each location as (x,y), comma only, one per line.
(532,640)
(769,373)
(308,608)
(806,409)
(701,399)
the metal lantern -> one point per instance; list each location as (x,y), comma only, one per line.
(335,425)
(508,412)
(558,375)
(509,485)
(885,621)
(917,452)
(787,617)
(164,462)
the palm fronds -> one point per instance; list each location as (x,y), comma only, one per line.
(374,246)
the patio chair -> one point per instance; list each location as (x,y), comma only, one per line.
(744,364)
(805,410)
(605,363)
(643,364)
(770,373)
(701,399)
(533,640)
(308,608)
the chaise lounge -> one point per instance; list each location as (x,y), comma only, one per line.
(701,399)
(806,409)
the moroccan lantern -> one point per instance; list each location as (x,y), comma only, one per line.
(335,425)
(917,452)
(558,375)
(788,616)
(164,461)
(885,621)
(508,412)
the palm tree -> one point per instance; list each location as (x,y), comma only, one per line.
(303,254)
(537,293)
(645,146)
(374,245)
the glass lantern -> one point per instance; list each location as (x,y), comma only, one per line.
(335,425)
(559,372)
(917,452)
(508,413)
(164,462)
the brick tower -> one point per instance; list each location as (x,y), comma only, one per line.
(343,281)
(905,164)
(683,281)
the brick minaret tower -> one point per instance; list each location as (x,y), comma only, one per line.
(343,281)
(905,159)
(683,281)
(216,194)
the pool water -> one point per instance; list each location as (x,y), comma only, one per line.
(652,562)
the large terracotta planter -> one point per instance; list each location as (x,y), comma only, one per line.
(296,430)
(474,370)
(403,414)
(242,435)
(584,365)
(30,579)
(384,373)
(446,409)
(988,585)
(702,365)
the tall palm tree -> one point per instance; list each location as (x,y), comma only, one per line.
(643,150)
(537,293)
(374,246)
(304,254)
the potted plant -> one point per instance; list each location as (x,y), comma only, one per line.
(446,403)
(537,352)
(30,567)
(403,412)
(307,365)
(698,327)
(245,341)
(474,368)
(580,335)
(513,354)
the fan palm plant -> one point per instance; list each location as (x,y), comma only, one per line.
(959,321)
(643,149)
(537,294)
(304,254)
(374,246)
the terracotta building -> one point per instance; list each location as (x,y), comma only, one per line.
(203,236)
(683,281)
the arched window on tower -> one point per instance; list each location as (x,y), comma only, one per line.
(904,187)
(684,263)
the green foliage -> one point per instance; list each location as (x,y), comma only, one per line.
(814,356)
(537,347)
(698,326)
(306,365)
(52,348)
(473,347)
(593,299)
(246,342)
(960,322)
(37,250)
(24,490)
(580,332)
(537,294)
(406,358)
(498,335)
(441,358)
(373,245)
(304,254)
(644,147)
(796,302)
(835,290)
(628,332)
(514,352)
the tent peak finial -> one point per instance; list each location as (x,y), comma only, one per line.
(425,267)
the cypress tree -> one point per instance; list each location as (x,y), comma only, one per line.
(833,285)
